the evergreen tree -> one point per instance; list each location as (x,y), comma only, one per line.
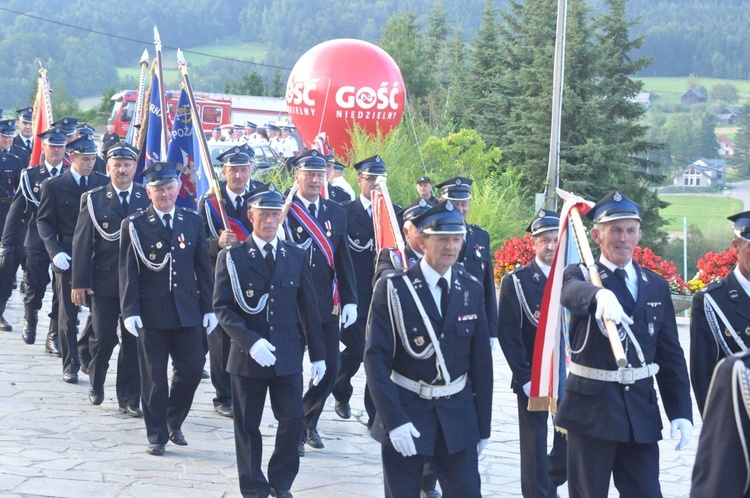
(706,145)
(742,140)
(402,40)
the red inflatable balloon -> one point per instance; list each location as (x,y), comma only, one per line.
(340,82)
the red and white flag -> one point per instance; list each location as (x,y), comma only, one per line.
(42,117)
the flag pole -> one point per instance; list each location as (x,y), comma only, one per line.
(208,167)
(42,109)
(139,100)
(162,96)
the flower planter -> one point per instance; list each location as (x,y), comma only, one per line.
(681,303)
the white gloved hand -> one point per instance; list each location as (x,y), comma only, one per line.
(261,352)
(609,308)
(317,371)
(210,322)
(62,261)
(481,445)
(132,324)
(686,432)
(402,438)
(348,315)
(494,344)
(527,389)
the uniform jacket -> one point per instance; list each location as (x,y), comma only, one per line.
(475,257)
(25,204)
(337,194)
(58,211)
(147,293)
(334,215)
(95,259)
(10,174)
(388,261)
(464,339)
(360,231)
(23,154)
(609,410)
(19,141)
(291,298)
(705,349)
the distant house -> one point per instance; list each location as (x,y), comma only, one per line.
(703,173)
(643,98)
(693,96)
(728,116)
(727,148)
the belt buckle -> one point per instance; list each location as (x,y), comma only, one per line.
(627,375)
(425,391)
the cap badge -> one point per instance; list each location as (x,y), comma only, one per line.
(541,213)
(422,202)
(617,197)
(458,181)
(271,188)
(157,167)
(448,206)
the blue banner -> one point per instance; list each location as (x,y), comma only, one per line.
(152,146)
(183,149)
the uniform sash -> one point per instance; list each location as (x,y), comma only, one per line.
(235,225)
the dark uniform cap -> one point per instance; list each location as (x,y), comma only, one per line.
(67,125)
(614,206)
(85,129)
(236,156)
(53,136)
(330,158)
(82,145)
(338,166)
(122,149)
(265,197)
(442,218)
(8,127)
(414,209)
(250,124)
(372,166)
(287,129)
(160,173)
(423,179)
(24,114)
(312,160)
(272,127)
(456,189)
(741,224)
(216,128)
(544,221)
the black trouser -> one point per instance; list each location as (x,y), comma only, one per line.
(67,323)
(105,313)
(218,348)
(165,407)
(249,397)
(37,279)
(315,398)
(353,338)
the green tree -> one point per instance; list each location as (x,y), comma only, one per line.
(106,105)
(706,145)
(742,139)
(248,84)
(726,92)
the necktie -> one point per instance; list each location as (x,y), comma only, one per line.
(621,274)
(269,256)
(53,172)
(167,222)
(312,208)
(238,203)
(124,196)
(82,182)
(444,295)
(28,144)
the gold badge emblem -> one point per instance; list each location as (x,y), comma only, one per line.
(249,293)
(419,341)
(299,229)
(105,225)
(36,189)
(158,245)
(536,314)
(747,331)
(182,245)
(328,233)
(152,257)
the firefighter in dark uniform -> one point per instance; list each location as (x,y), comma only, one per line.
(56,220)
(521,294)
(7,145)
(424,189)
(96,246)
(611,415)
(429,367)
(237,168)
(100,166)
(318,226)
(331,191)
(10,174)
(475,253)
(263,289)
(722,464)
(165,296)
(25,136)
(23,212)
(720,315)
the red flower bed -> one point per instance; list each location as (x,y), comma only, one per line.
(514,252)
(646,258)
(713,266)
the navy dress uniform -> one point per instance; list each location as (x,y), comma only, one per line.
(519,307)
(422,182)
(261,303)
(720,317)
(236,210)
(612,416)
(326,228)
(10,172)
(8,131)
(475,254)
(166,284)
(430,369)
(96,253)
(24,116)
(56,220)
(722,464)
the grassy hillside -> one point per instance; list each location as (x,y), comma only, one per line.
(708,213)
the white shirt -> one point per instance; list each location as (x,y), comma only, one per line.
(307,203)
(431,278)
(631,281)
(366,203)
(161,216)
(233,196)
(744,283)
(341,182)
(49,168)
(129,191)
(262,245)
(544,267)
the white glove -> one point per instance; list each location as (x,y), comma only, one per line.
(686,432)
(481,445)
(317,371)
(62,261)
(609,308)
(261,352)
(210,322)
(527,389)
(348,315)
(494,344)
(132,324)
(402,439)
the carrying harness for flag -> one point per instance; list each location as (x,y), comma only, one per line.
(237,290)
(212,205)
(26,189)
(713,310)
(154,267)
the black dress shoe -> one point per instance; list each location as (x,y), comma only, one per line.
(205,374)
(177,437)
(96,397)
(70,377)
(313,439)
(133,411)
(156,449)
(343,410)
(284,493)
(301,449)
(224,410)
(85,368)
(432,493)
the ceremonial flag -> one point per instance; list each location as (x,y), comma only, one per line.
(385,223)
(182,149)
(42,115)
(151,132)
(546,367)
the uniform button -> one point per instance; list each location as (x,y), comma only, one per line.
(270,329)
(627,388)
(174,273)
(270,313)
(175,285)
(271,300)
(272,287)
(173,248)
(313,265)
(442,336)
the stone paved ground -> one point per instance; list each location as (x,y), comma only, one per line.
(54,443)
